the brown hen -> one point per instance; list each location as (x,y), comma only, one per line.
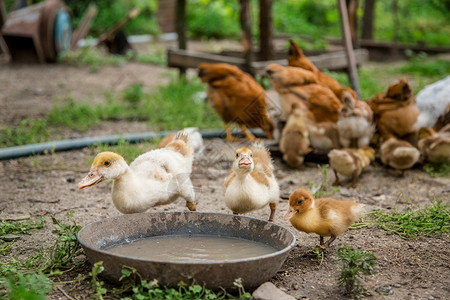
(297,59)
(296,85)
(237,98)
(395,112)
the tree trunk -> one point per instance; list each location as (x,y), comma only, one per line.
(352,6)
(266,47)
(180,25)
(352,72)
(368,20)
(245,19)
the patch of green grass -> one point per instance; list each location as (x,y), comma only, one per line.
(25,287)
(355,264)
(93,58)
(422,65)
(77,116)
(177,105)
(20,227)
(319,254)
(324,189)
(156,55)
(28,278)
(437,169)
(433,219)
(134,94)
(170,107)
(5,248)
(66,246)
(27,132)
(412,223)
(52,260)
(132,283)
(98,284)
(374,78)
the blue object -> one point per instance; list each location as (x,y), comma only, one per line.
(62,31)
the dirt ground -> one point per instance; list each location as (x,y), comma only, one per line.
(47,185)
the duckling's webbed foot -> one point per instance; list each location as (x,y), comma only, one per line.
(273,208)
(327,243)
(355,183)
(336,181)
(191,206)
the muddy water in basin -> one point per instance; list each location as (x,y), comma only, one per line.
(192,248)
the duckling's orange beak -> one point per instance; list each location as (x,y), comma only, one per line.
(92,178)
(291,212)
(245,162)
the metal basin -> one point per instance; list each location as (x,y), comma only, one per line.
(98,236)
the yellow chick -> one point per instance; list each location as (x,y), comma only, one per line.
(435,146)
(398,154)
(324,216)
(251,184)
(350,162)
(294,142)
(154,178)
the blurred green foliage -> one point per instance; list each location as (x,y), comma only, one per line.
(420,21)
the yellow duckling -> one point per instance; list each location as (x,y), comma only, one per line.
(350,162)
(324,216)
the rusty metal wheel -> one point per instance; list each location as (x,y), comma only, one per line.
(55,29)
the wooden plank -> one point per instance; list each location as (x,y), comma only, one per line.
(191,59)
(83,28)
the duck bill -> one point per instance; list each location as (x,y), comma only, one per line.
(290,213)
(245,163)
(92,178)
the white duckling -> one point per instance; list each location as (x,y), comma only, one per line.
(154,178)
(251,184)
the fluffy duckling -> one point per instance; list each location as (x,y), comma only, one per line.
(154,178)
(294,142)
(350,162)
(251,183)
(323,136)
(435,146)
(194,137)
(324,216)
(398,154)
(355,122)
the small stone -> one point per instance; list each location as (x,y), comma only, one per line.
(385,290)
(9,237)
(268,291)
(70,180)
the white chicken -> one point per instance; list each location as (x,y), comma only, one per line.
(154,178)
(432,102)
(251,184)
